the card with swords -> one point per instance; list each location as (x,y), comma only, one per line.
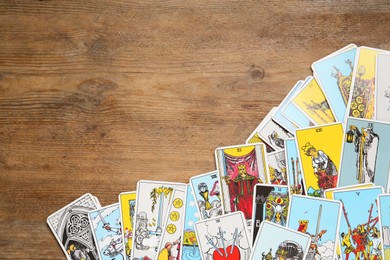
(223,237)
(107,232)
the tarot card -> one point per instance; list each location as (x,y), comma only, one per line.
(365,156)
(70,226)
(270,203)
(127,210)
(382,96)
(189,244)
(278,242)
(170,242)
(329,192)
(255,138)
(294,173)
(206,188)
(359,223)
(277,167)
(107,232)
(334,75)
(319,218)
(223,237)
(240,168)
(272,133)
(312,101)
(151,208)
(384,227)
(319,151)
(279,118)
(361,103)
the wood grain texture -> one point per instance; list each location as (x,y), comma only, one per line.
(96,95)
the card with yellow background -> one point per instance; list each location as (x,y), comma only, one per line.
(127,209)
(319,151)
(312,101)
(361,102)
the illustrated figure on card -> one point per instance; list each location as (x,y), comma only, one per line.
(241,168)
(343,81)
(323,166)
(366,147)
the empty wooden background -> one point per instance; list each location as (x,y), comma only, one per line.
(96,95)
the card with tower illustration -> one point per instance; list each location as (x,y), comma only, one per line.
(361,103)
(153,198)
(293,169)
(278,242)
(107,232)
(70,226)
(334,76)
(384,224)
(270,202)
(319,151)
(223,237)
(272,133)
(189,249)
(170,242)
(127,210)
(311,100)
(206,188)
(277,167)
(359,225)
(240,168)
(365,156)
(318,218)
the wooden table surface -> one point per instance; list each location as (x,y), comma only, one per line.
(96,95)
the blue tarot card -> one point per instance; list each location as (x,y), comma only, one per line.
(189,243)
(334,75)
(278,242)
(366,150)
(359,224)
(319,218)
(107,232)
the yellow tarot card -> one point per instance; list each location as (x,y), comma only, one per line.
(319,151)
(312,101)
(361,103)
(127,209)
